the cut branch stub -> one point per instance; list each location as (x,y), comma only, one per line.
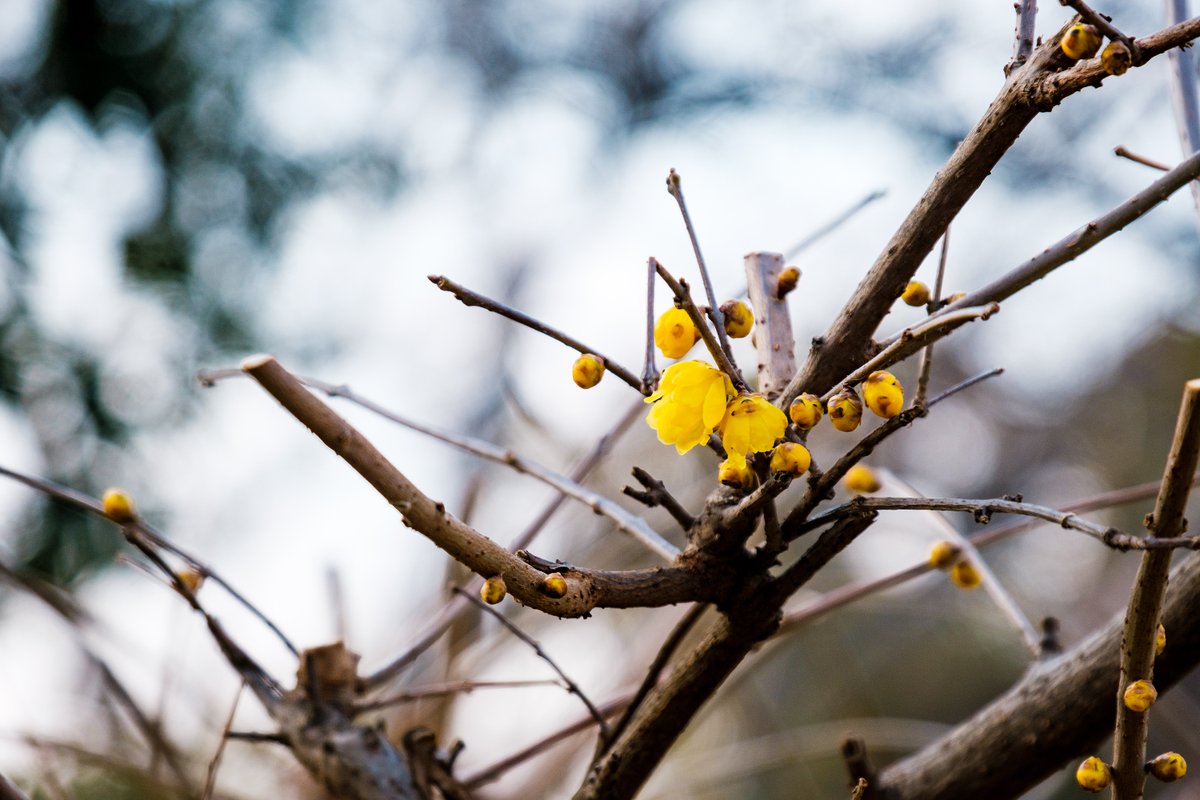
(773,326)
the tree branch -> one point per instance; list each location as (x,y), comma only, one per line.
(1043,83)
(1061,709)
(1145,604)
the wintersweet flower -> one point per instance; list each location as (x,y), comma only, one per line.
(689,404)
(751,425)
(675,333)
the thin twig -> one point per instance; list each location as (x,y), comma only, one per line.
(983,509)
(210,780)
(683,296)
(625,522)
(494,771)
(991,582)
(140,528)
(851,592)
(1184,102)
(904,344)
(656,494)
(675,188)
(1121,151)
(454,687)
(829,227)
(471,298)
(649,368)
(1146,601)
(572,686)
(1081,240)
(926,368)
(820,488)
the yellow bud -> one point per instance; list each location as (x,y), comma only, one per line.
(1168,768)
(738,318)
(942,555)
(806,411)
(787,281)
(554,585)
(1116,58)
(954,298)
(1160,640)
(1081,41)
(790,458)
(1140,695)
(118,505)
(493,590)
(861,479)
(191,579)
(883,394)
(675,333)
(964,575)
(845,410)
(1093,774)
(587,370)
(915,294)
(735,472)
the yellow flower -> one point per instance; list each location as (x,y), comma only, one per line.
(964,575)
(942,555)
(884,394)
(734,471)
(1093,775)
(860,479)
(675,333)
(791,459)
(806,411)
(118,505)
(689,404)
(587,370)
(751,425)
(915,294)
(739,319)
(1168,767)
(1140,695)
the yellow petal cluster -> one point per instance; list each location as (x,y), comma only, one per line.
(751,425)
(675,333)
(689,404)
(587,370)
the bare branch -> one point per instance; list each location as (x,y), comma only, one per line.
(572,686)
(714,311)
(1081,240)
(210,780)
(1026,30)
(773,339)
(585,590)
(1183,77)
(649,369)
(829,227)
(1123,152)
(1061,708)
(1145,603)
(1044,82)
(470,298)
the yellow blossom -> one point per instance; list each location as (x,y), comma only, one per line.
(689,404)
(1168,767)
(675,333)
(1093,775)
(751,425)
(734,471)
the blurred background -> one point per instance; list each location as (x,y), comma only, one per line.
(186,182)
